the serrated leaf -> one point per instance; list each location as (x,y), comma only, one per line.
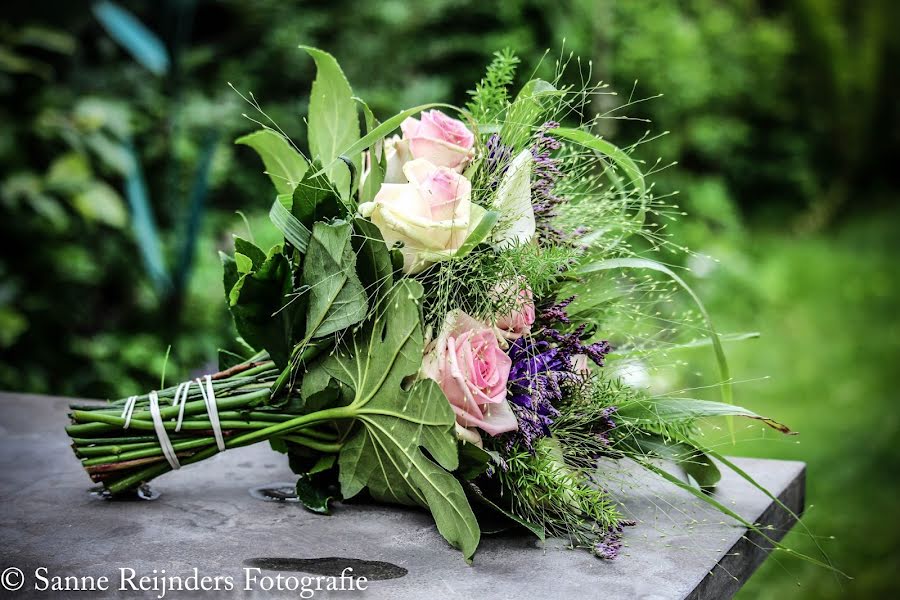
(336,298)
(284,165)
(395,426)
(250,250)
(314,199)
(374,266)
(333,121)
(257,302)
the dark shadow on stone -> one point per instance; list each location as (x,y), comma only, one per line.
(331,566)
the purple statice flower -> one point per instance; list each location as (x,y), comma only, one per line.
(535,383)
(543,181)
(610,543)
(573,345)
(497,158)
(542,365)
(556,313)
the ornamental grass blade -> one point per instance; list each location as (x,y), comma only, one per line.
(397,425)
(672,411)
(644,263)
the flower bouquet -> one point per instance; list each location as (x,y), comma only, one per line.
(435,328)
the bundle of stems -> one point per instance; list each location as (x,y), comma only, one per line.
(122,459)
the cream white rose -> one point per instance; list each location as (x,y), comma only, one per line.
(432,215)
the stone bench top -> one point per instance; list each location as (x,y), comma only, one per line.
(206,519)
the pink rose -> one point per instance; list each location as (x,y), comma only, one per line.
(518,321)
(472,370)
(439,139)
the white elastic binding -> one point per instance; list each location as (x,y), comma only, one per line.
(209,397)
(164,442)
(183,388)
(129,410)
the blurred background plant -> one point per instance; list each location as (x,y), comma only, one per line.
(120,180)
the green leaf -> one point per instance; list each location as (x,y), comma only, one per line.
(230,274)
(377,161)
(701,343)
(333,120)
(480,233)
(257,302)
(313,496)
(473,461)
(336,298)
(396,424)
(373,259)
(99,202)
(324,463)
(683,410)
(285,166)
(143,45)
(248,249)
(314,200)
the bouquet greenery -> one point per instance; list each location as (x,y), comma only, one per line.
(441,323)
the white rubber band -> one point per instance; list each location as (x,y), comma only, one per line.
(128,410)
(184,394)
(209,397)
(178,391)
(164,442)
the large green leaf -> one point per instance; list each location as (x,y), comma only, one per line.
(667,410)
(315,199)
(335,297)
(373,259)
(285,166)
(333,120)
(394,422)
(257,302)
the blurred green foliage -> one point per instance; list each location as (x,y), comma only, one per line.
(783,118)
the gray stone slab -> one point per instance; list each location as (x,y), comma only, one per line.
(206,519)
